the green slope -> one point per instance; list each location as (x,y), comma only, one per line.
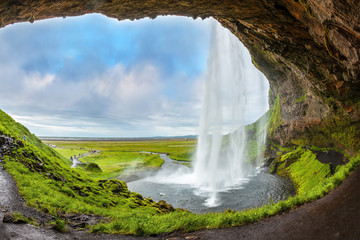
(47,182)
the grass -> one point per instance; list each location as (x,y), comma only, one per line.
(59,225)
(117,157)
(185,221)
(68,152)
(18,218)
(46,181)
(302,167)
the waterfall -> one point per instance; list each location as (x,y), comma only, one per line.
(220,161)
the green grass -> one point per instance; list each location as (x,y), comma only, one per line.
(117,157)
(18,217)
(68,152)
(183,155)
(46,181)
(59,225)
(302,167)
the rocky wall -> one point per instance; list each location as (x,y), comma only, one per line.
(308,49)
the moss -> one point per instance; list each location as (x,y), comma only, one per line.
(93,167)
(18,217)
(275,117)
(307,172)
(45,181)
(302,167)
(301,99)
(59,225)
(338,131)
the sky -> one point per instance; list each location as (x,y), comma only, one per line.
(93,76)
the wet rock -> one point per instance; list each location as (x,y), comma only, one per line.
(84,220)
(305,48)
(8,218)
(268,161)
(164,206)
(192,237)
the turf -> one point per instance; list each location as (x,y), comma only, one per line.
(117,157)
(46,181)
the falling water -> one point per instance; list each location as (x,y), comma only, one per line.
(221,160)
(225,173)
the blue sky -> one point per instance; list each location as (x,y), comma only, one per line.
(96,76)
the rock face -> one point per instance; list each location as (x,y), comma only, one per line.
(308,49)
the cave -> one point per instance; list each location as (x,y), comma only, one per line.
(308,50)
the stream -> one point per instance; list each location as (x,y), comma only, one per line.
(171,183)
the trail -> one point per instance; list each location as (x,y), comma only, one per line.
(76,161)
(335,216)
(11,201)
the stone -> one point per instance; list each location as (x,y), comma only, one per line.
(8,218)
(302,47)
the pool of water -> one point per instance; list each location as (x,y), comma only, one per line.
(172,184)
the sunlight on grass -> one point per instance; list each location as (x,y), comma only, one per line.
(46,181)
(117,157)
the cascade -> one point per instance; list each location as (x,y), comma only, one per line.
(225,171)
(221,160)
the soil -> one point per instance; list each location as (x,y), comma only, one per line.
(335,216)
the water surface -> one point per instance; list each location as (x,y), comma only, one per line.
(173,184)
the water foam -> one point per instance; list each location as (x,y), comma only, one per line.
(220,161)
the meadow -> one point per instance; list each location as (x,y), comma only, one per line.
(117,157)
(46,181)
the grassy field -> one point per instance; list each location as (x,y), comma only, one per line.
(46,181)
(115,157)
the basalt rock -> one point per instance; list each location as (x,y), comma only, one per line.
(308,49)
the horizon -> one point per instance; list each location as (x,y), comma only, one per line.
(93,76)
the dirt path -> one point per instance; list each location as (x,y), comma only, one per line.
(336,216)
(11,201)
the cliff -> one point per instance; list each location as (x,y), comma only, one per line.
(309,51)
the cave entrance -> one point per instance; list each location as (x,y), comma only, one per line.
(92,76)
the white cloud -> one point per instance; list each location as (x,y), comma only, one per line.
(136,89)
(35,81)
(137,99)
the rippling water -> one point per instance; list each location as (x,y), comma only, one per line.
(173,184)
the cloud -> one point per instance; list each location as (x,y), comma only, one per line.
(35,81)
(96,76)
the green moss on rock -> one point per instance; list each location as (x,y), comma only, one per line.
(302,167)
(93,167)
(275,117)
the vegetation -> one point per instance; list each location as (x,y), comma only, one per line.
(337,132)
(93,167)
(59,225)
(117,157)
(68,152)
(20,218)
(301,99)
(254,132)
(302,167)
(47,182)
(275,117)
